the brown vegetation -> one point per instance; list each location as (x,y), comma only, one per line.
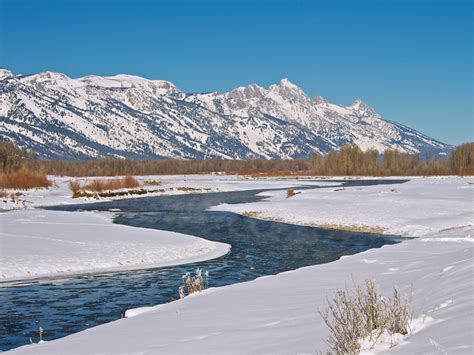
(358,228)
(24,181)
(100,185)
(348,161)
(461,160)
(364,314)
(291,193)
(119,167)
(193,284)
(352,161)
(13,159)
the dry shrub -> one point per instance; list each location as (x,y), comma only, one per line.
(74,186)
(187,189)
(364,313)
(152,183)
(291,192)
(24,181)
(193,284)
(127,182)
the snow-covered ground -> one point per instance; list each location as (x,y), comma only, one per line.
(420,206)
(279,314)
(60,192)
(39,243)
(36,243)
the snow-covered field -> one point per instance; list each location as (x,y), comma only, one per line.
(50,243)
(60,193)
(36,243)
(279,314)
(421,206)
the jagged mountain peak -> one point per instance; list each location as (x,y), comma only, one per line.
(247,92)
(5,73)
(361,107)
(287,90)
(319,100)
(285,82)
(129,116)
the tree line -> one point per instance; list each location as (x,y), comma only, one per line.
(350,160)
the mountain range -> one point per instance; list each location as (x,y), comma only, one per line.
(133,117)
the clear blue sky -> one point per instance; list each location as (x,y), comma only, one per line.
(412,60)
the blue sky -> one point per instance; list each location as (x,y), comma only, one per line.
(409,59)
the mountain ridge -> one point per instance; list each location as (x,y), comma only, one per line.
(133,117)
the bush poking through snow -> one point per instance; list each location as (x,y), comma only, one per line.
(193,284)
(24,180)
(364,315)
(98,186)
(291,192)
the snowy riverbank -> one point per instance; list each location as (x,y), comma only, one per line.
(418,207)
(39,243)
(279,314)
(36,243)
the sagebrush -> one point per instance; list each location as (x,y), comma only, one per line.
(193,283)
(363,313)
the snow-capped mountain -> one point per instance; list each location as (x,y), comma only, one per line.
(129,116)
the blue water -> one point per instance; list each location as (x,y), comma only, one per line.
(259,248)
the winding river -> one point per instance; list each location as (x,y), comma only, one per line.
(62,307)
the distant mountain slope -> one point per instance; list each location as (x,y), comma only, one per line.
(129,116)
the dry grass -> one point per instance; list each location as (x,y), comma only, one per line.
(152,182)
(260,215)
(187,189)
(99,186)
(24,181)
(193,284)
(364,314)
(108,194)
(359,228)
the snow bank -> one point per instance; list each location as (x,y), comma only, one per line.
(60,193)
(418,207)
(279,314)
(39,243)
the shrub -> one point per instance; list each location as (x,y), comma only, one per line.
(193,284)
(74,186)
(364,314)
(97,185)
(152,183)
(291,192)
(24,181)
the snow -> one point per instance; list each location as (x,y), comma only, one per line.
(126,114)
(39,244)
(60,193)
(279,314)
(416,208)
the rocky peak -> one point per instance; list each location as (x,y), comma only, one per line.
(5,73)
(287,90)
(361,108)
(319,100)
(247,92)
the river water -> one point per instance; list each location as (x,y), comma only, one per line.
(66,306)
